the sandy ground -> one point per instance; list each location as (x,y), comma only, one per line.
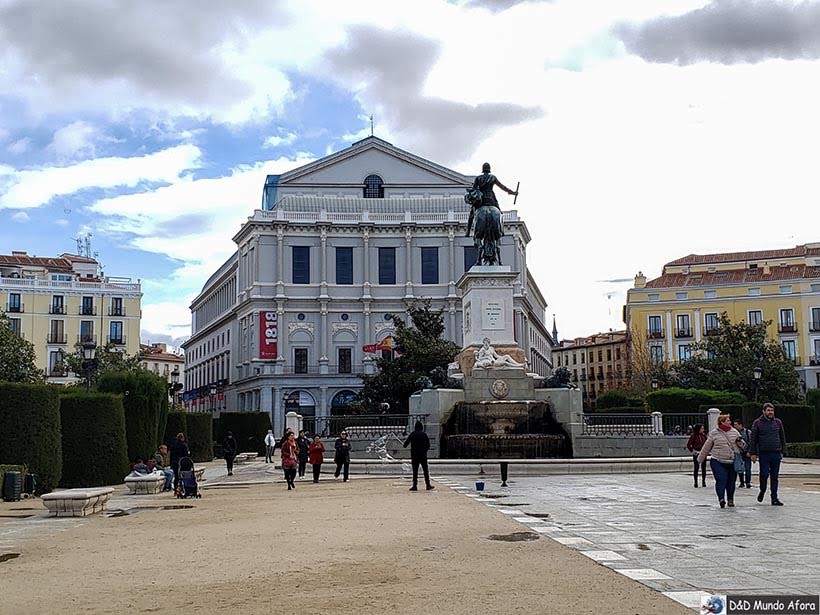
(362,547)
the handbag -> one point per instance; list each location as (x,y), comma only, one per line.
(737,460)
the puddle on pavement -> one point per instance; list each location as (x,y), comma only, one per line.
(4,557)
(511,504)
(722,536)
(681,546)
(494,496)
(15,516)
(514,537)
(643,547)
(129,511)
(539,515)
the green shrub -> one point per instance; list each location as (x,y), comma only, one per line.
(620,410)
(249,429)
(798,420)
(200,436)
(30,431)
(94,449)
(145,398)
(611,399)
(806,450)
(676,400)
(176,423)
(813,399)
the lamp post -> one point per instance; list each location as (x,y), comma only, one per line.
(212,393)
(89,361)
(174,385)
(757,374)
(654,384)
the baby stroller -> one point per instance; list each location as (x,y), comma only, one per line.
(187,487)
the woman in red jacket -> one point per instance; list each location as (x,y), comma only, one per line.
(290,458)
(316,455)
(695,443)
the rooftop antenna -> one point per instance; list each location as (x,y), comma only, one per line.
(371,124)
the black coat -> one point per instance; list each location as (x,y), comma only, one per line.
(303,443)
(419,445)
(342,454)
(179,449)
(229,447)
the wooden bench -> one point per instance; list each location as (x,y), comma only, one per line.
(145,484)
(77,502)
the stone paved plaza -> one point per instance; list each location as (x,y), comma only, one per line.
(658,529)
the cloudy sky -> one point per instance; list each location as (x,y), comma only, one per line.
(640,130)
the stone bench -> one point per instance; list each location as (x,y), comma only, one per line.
(145,484)
(199,474)
(77,502)
(242,457)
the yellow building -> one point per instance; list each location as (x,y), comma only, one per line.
(597,363)
(684,304)
(58,302)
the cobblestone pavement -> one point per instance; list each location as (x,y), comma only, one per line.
(659,530)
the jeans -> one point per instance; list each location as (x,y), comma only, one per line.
(169,477)
(290,475)
(702,468)
(423,463)
(746,476)
(725,477)
(339,465)
(317,469)
(175,470)
(302,465)
(229,461)
(269,453)
(769,465)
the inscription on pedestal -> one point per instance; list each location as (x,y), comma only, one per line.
(492,317)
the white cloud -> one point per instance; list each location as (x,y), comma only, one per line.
(34,188)
(61,222)
(280,140)
(20,146)
(77,140)
(20,216)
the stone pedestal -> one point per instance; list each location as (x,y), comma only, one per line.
(499,384)
(487,301)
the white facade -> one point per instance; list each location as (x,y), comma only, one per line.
(332,265)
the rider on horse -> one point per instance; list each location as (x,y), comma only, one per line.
(485,183)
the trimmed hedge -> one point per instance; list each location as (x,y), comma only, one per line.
(145,399)
(620,410)
(676,400)
(249,429)
(618,399)
(813,399)
(200,436)
(30,431)
(94,449)
(176,423)
(806,450)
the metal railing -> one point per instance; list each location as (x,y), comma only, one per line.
(116,311)
(15,308)
(56,338)
(82,339)
(362,426)
(787,327)
(118,284)
(56,309)
(117,340)
(679,333)
(87,310)
(655,334)
(617,424)
(678,424)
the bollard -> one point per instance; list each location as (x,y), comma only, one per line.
(504,466)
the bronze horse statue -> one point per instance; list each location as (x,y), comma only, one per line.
(486,215)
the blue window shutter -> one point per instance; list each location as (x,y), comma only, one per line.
(387,265)
(470,256)
(344,265)
(429,265)
(301,265)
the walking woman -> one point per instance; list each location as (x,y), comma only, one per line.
(290,457)
(695,443)
(342,456)
(179,449)
(721,443)
(304,444)
(229,450)
(316,456)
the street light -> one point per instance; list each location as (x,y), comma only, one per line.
(212,393)
(174,385)
(757,373)
(89,363)
(654,384)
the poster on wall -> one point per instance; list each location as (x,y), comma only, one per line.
(268,335)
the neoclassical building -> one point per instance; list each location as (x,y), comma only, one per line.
(338,245)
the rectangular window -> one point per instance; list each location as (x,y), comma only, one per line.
(583,357)
(56,332)
(345,360)
(55,363)
(656,354)
(655,327)
(681,296)
(755,317)
(754,292)
(684,352)
(654,297)
(814,325)
(300,265)
(609,354)
(711,322)
(787,320)
(600,355)
(574,359)
(591,356)
(344,265)
(87,306)
(429,265)
(300,360)
(60,277)
(115,332)
(790,349)
(470,257)
(709,294)
(387,265)
(87,331)
(618,353)
(785,290)
(816,351)
(682,325)
(15,324)
(57,306)
(116,306)
(14,303)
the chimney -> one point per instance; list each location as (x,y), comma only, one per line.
(640,280)
(19,253)
(766,269)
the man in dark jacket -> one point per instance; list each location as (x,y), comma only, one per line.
(419,445)
(767,444)
(229,450)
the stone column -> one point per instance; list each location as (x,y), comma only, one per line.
(280,261)
(292,421)
(324,334)
(657,423)
(276,413)
(713,414)
(670,334)
(408,284)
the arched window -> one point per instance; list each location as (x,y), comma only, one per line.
(300,402)
(373,187)
(340,403)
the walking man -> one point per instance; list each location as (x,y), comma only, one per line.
(743,444)
(270,445)
(767,444)
(419,445)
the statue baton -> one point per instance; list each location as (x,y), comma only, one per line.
(516,192)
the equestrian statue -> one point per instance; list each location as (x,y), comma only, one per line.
(486,214)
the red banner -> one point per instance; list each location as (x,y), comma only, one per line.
(386,344)
(268,335)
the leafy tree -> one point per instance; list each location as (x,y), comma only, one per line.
(420,349)
(644,369)
(108,358)
(18,360)
(726,362)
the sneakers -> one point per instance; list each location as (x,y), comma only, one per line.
(730,503)
(413,488)
(696,484)
(429,487)
(748,486)
(760,496)
(723,504)
(704,483)
(777,503)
